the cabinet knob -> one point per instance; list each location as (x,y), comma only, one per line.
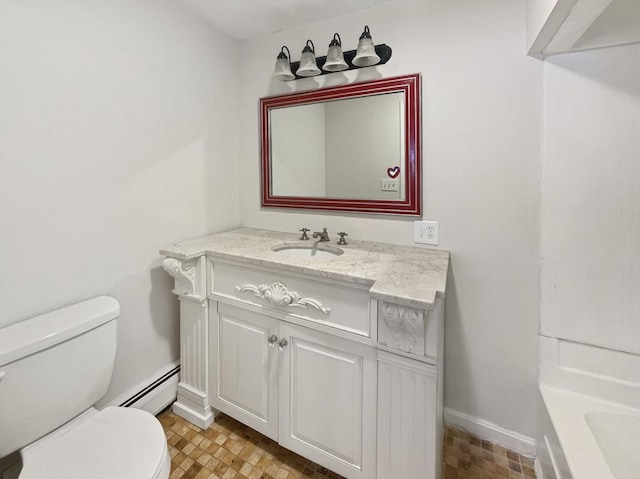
(272,339)
(283,343)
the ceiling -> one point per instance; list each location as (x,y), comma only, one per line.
(245,19)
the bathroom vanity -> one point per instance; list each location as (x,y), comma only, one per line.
(336,352)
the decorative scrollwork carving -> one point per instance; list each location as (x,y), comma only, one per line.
(184,272)
(278,294)
(404,324)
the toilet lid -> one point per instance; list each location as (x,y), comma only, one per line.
(116,443)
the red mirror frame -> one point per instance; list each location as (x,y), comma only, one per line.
(411,205)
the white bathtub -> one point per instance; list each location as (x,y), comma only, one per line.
(618,435)
(589,414)
(599,439)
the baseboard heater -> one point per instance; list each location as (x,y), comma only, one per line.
(151,387)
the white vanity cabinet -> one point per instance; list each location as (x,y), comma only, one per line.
(313,392)
(333,369)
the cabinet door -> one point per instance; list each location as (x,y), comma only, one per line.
(328,400)
(245,375)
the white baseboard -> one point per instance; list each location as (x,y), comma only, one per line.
(153,394)
(491,432)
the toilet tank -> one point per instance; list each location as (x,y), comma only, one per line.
(54,367)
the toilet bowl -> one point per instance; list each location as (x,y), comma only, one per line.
(53,368)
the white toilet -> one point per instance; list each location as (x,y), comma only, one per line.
(53,369)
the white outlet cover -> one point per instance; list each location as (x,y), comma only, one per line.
(426,232)
(387,184)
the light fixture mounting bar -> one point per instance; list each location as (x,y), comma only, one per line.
(383,50)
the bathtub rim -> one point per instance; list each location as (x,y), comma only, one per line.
(567,411)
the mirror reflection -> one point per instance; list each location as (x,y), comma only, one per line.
(347,148)
(351,148)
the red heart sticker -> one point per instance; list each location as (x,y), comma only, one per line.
(393,172)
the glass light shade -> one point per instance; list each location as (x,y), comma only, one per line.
(308,66)
(366,54)
(283,69)
(335,60)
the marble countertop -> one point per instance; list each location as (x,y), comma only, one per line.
(406,275)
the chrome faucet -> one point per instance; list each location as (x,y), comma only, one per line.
(323,235)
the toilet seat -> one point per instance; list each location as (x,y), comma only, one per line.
(115,443)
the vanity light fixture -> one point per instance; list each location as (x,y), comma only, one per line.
(335,58)
(283,66)
(366,55)
(308,65)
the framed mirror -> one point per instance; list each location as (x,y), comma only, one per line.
(349,148)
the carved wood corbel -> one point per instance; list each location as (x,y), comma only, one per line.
(402,328)
(187,275)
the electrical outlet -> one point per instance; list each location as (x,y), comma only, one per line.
(425,232)
(388,185)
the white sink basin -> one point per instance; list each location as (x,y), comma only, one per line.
(313,250)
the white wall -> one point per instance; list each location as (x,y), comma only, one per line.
(297,149)
(481,100)
(118,136)
(591,198)
(363,140)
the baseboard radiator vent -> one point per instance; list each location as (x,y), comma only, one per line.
(158,395)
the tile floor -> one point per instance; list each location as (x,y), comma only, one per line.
(467,457)
(230,450)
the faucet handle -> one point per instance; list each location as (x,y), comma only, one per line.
(304,236)
(342,234)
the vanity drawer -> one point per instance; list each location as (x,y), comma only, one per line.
(338,305)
